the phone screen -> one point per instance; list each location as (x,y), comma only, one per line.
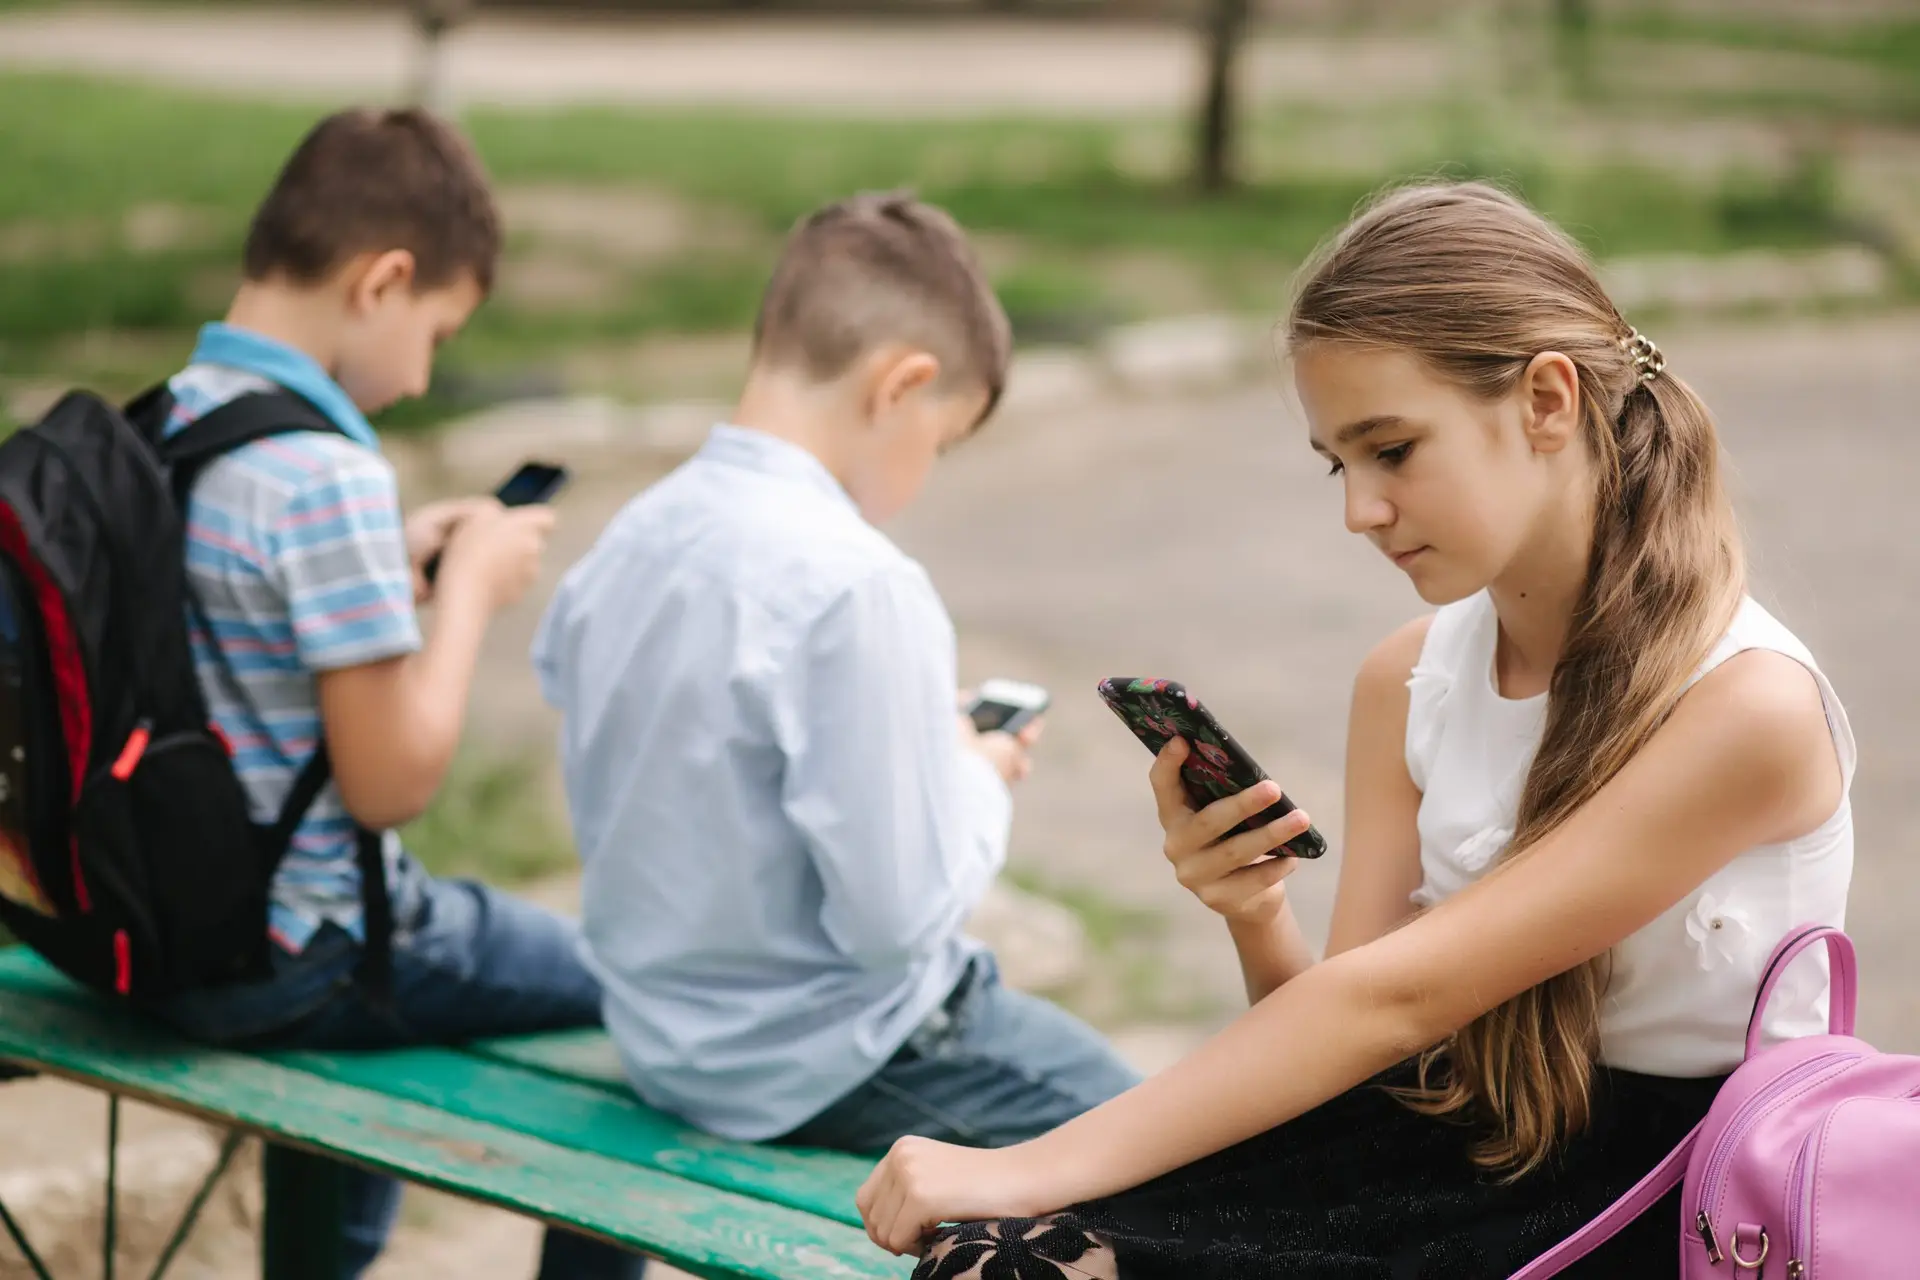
(533,482)
(1009,705)
(988,716)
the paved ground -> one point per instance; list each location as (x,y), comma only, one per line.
(1201,540)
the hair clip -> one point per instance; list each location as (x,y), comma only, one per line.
(1646,356)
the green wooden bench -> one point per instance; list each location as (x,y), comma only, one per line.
(542,1125)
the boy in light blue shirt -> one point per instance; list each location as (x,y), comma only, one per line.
(783,819)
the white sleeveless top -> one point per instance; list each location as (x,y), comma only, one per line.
(1682,988)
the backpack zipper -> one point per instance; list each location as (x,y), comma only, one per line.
(1711,1190)
(129,758)
(1800,1205)
(117,554)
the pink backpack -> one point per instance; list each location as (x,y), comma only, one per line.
(1808,1165)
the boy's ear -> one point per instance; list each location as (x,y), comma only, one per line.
(373,277)
(895,373)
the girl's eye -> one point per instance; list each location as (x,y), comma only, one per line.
(1394,455)
(1335,469)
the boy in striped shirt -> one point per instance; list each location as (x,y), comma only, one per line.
(374,246)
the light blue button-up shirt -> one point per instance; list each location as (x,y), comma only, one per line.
(782,831)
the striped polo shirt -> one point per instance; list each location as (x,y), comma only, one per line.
(296,551)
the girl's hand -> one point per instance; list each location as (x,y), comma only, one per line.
(1234,877)
(922,1183)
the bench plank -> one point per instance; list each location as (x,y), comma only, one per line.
(586,1118)
(585,1055)
(705,1231)
(544,1104)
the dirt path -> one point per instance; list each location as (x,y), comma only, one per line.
(927,68)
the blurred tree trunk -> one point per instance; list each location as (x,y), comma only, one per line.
(432,19)
(1226,30)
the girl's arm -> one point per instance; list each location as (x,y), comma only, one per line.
(1745,759)
(1380,857)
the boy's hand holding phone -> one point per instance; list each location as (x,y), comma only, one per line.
(1002,721)
(427,532)
(500,547)
(1009,753)
(1237,877)
(507,531)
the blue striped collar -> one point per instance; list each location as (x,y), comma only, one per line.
(298,372)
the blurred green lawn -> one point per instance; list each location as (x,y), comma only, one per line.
(1085,223)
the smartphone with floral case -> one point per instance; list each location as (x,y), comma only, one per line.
(1158,711)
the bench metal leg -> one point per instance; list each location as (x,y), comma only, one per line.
(107,1232)
(306,1204)
(20,1242)
(110,1229)
(192,1215)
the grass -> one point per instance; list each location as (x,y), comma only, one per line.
(1060,202)
(1885,52)
(1129,979)
(1889,44)
(492,821)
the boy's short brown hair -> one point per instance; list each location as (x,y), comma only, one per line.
(366,180)
(876,268)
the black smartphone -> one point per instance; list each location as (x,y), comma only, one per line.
(1158,711)
(1008,705)
(533,482)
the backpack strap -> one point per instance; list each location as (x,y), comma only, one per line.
(187,453)
(1646,1193)
(1843,977)
(1673,1170)
(218,432)
(370,855)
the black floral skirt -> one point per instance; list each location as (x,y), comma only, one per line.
(1360,1189)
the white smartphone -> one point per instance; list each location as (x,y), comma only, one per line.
(1007,705)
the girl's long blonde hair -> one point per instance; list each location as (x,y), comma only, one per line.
(1476,284)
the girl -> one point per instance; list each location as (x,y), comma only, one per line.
(1584,800)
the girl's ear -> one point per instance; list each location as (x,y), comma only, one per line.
(1549,392)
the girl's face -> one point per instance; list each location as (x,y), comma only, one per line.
(1457,491)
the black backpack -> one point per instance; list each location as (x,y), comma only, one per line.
(128,857)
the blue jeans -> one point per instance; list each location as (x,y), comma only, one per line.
(471,962)
(989,1068)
